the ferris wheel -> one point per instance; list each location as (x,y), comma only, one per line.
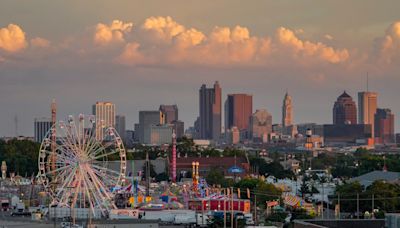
(74,167)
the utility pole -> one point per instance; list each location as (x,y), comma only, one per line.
(224,208)
(323,195)
(358,206)
(147,174)
(339,205)
(232,207)
(372,210)
(255,209)
(173,157)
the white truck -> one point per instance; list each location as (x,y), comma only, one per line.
(192,219)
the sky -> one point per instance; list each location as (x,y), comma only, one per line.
(140,54)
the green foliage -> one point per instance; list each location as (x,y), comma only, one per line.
(215,177)
(162,177)
(21,156)
(152,171)
(386,196)
(304,188)
(264,191)
(277,217)
(301,213)
(274,168)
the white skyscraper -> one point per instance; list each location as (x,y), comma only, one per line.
(105,117)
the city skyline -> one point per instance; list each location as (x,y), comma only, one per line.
(105,53)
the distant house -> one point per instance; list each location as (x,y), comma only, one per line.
(291,164)
(368,178)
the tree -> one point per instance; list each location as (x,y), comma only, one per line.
(215,177)
(264,191)
(21,156)
(304,188)
(349,191)
(152,171)
(386,195)
(162,177)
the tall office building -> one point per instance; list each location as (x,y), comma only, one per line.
(384,126)
(260,125)
(238,110)
(120,126)
(41,126)
(105,117)
(146,120)
(287,111)
(344,110)
(367,105)
(170,113)
(160,134)
(210,112)
(179,127)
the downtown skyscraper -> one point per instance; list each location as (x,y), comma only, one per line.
(367,105)
(210,112)
(287,111)
(344,110)
(105,117)
(384,126)
(238,110)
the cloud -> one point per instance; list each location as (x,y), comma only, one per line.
(303,48)
(165,41)
(387,48)
(328,37)
(12,38)
(113,32)
(40,42)
(131,55)
(163,28)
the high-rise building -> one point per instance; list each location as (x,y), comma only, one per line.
(170,112)
(105,117)
(120,126)
(41,126)
(146,120)
(160,134)
(136,129)
(210,112)
(344,110)
(238,110)
(367,105)
(384,126)
(260,125)
(179,127)
(287,111)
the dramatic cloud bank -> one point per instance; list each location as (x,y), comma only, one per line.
(165,41)
(387,48)
(113,32)
(12,38)
(162,41)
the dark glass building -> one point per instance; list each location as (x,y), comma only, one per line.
(210,112)
(345,110)
(238,110)
(384,126)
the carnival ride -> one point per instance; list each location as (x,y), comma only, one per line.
(73,164)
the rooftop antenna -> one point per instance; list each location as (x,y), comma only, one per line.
(367,82)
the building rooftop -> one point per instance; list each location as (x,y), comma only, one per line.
(368,178)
